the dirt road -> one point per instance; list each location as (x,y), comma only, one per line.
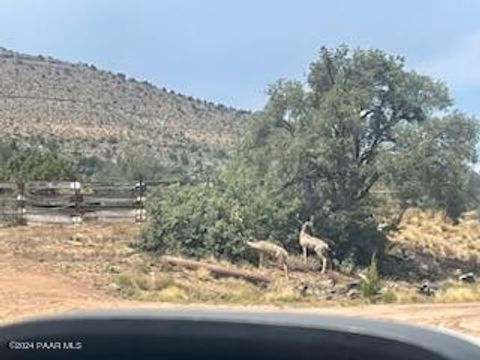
(24,293)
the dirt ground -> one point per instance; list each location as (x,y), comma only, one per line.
(26,291)
(53,269)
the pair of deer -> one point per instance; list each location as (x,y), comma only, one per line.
(306,241)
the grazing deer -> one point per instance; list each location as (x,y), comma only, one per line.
(309,242)
(271,250)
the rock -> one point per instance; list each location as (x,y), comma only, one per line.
(74,242)
(426,288)
(316,290)
(352,285)
(303,288)
(409,255)
(468,278)
(353,294)
(424,268)
(64,266)
(396,252)
(114,286)
(78,237)
(457,272)
(114,269)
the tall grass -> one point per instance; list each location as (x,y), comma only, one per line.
(371,284)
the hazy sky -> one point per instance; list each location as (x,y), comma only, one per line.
(229,51)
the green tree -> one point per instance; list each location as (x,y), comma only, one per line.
(431,165)
(320,142)
(37,165)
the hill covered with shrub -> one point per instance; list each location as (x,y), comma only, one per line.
(99,118)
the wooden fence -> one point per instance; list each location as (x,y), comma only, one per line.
(64,202)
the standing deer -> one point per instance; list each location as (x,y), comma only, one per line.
(271,250)
(309,242)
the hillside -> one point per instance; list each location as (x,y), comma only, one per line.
(96,114)
(429,245)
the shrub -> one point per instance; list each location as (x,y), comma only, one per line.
(389,297)
(37,165)
(206,220)
(371,284)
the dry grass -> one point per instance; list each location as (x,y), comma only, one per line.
(449,291)
(90,254)
(196,288)
(176,288)
(458,294)
(453,291)
(433,232)
(402,296)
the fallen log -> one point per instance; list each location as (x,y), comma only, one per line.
(217,270)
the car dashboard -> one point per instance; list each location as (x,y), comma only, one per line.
(179,335)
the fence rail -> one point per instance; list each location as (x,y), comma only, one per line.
(63,202)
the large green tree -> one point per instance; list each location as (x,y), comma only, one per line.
(320,142)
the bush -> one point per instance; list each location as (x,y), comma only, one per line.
(389,297)
(205,220)
(37,165)
(8,214)
(355,233)
(371,284)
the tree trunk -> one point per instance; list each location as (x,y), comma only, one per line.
(256,278)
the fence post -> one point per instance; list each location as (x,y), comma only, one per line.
(140,189)
(21,203)
(77,214)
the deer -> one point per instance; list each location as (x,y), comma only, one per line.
(271,250)
(309,242)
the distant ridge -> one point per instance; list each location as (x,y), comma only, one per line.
(95,113)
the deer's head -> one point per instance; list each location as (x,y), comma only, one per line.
(308,223)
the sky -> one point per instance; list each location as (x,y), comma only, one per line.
(230,51)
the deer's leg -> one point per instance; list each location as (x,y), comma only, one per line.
(324,264)
(260,261)
(333,282)
(285,269)
(304,248)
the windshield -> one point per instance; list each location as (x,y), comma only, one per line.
(300,156)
